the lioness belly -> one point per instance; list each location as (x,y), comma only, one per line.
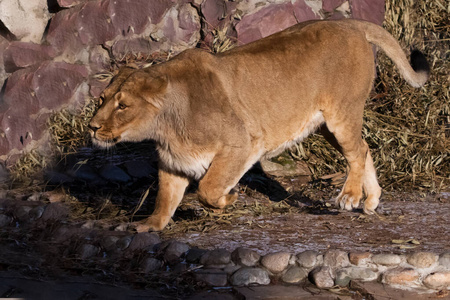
(192,165)
(296,137)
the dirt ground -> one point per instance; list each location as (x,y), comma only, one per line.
(272,214)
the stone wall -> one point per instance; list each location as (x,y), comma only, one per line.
(49,62)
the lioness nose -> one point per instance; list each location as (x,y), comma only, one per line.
(94,127)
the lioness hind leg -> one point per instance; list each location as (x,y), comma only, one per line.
(170,193)
(346,137)
(371,187)
(223,174)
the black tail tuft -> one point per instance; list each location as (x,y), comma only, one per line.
(419,62)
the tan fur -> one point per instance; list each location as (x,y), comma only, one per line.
(213,117)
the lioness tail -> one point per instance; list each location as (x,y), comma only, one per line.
(415,74)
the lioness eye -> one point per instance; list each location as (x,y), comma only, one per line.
(122,106)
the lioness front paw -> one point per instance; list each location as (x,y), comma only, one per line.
(152,223)
(347,201)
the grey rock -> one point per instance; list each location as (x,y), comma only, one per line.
(194,254)
(179,267)
(109,242)
(422,259)
(174,251)
(343,276)
(336,259)
(124,242)
(294,274)
(55,212)
(22,213)
(231,268)
(216,257)
(36,212)
(212,277)
(151,264)
(309,259)
(444,260)
(245,257)
(276,262)
(386,259)
(322,277)
(114,173)
(248,276)
(5,220)
(143,240)
(87,251)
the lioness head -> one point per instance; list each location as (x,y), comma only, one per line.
(128,107)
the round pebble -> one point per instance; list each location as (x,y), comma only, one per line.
(109,242)
(294,274)
(87,250)
(322,277)
(5,220)
(245,257)
(336,259)
(360,258)
(386,259)
(212,277)
(422,259)
(438,280)
(54,212)
(193,256)
(216,257)
(247,276)
(401,276)
(343,276)
(309,259)
(174,251)
(151,264)
(143,240)
(276,262)
(444,260)
(124,242)
(22,213)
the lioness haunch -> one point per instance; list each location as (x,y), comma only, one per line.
(213,116)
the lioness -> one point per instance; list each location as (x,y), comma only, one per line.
(214,116)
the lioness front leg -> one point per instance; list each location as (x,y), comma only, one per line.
(170,193)
(223,174)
